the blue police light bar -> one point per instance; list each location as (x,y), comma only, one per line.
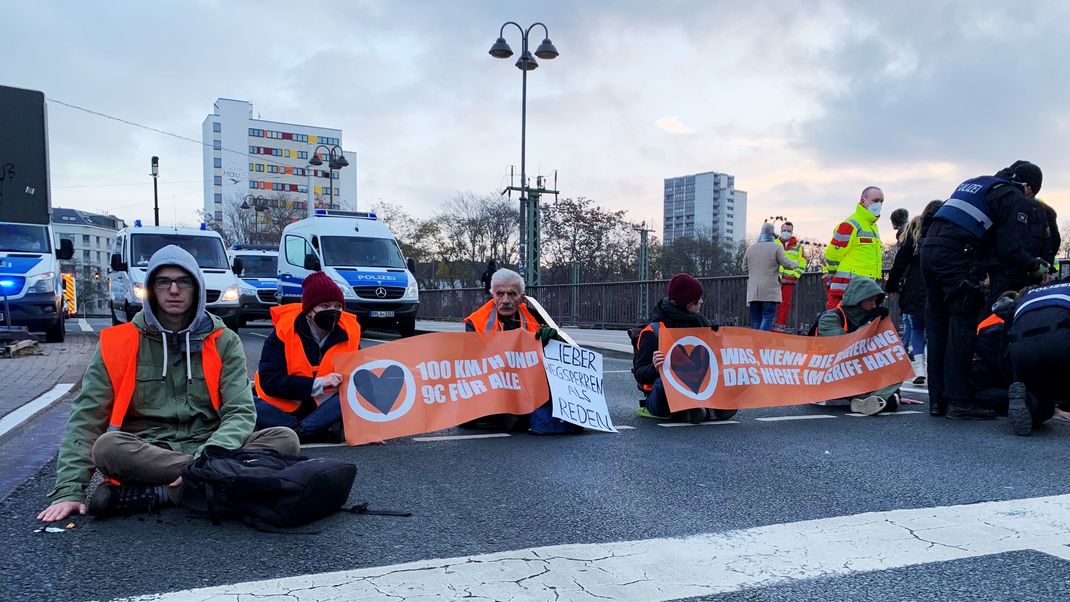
(137,223)
(204,226)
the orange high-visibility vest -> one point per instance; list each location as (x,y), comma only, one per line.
(118,348)
(655,329)
(297,364)
(485,319)
(992,320)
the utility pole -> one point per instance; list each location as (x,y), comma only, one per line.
(644,270)
(155,191)
(531,235)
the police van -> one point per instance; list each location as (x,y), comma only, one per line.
(130,260)
(257,266)
(362,256)
(31,289)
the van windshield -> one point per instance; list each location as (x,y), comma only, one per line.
(24,238)
(207,250)
(259,266)
(358,251)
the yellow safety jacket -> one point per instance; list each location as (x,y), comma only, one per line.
(855,249)
(794,253)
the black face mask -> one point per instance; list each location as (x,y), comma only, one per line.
(327,318)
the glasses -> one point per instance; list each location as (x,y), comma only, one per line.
(163,283)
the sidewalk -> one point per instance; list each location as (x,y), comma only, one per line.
(27,377)
(606,340)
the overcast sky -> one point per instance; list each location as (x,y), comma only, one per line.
(805,103)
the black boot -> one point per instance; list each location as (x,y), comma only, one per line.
(968,410)
(129,498)
(937,408)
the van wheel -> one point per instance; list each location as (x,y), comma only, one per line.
(58,331)
(232,323)
(406,328)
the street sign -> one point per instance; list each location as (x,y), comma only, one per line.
(24,195)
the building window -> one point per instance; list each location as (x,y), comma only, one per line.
(252,150)
(259,167)
(217,162)
(217,180)
(302,188)
(252,183)
(85,240)
(217,127)
(252,132)
(219,216)
(217,144)
(302,154)
(272,169)
(85,256)
(218,197)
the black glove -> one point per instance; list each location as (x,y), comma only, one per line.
(714,327)
(546,334)
(880,312)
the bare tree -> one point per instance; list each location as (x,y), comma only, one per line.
(579,235)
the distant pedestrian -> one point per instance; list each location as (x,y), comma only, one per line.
(899,218)
(906,280)
(492,266)
(762,263)
(788,277)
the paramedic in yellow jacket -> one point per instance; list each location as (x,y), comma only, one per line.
(855,249)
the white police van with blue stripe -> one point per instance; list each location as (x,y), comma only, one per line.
(362,256)
(31,291)
(258,268)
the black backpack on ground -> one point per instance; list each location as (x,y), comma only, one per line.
(264,487)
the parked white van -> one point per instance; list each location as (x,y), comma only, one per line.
(362,256)
(30,283)
(258,267)
(130,259)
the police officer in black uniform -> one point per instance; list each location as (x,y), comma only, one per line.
(980,229)
(1042,242)
(1040,352)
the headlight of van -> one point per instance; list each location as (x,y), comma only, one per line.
(42,283)
(231,294)
(139,291)
(347,289)
(248,292)
(412,292)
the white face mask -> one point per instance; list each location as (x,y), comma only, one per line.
(875,208)
(785,235)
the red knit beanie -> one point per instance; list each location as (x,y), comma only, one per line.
(318,288)
(684,290)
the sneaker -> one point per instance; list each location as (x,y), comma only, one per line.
(693,416)
(713,414)
(1021,418)
(919,370)
(645,413)
(892,403)
(115,500)
(868,406)
(968,410)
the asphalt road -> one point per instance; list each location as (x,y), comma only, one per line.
(481,496)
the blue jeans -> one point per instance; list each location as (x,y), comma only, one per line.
(762,314)
(544,423)
(328,413)
(906,330)
(915,325)
(656,402)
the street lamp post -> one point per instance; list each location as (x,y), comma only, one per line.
(155,191)
(501,50)
(334,161)
(257,207)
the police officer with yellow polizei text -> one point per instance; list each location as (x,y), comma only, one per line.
(982,227)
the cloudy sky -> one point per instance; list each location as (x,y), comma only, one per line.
(805,103)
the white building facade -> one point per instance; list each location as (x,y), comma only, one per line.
(704,204)
(92,235)
(246,156)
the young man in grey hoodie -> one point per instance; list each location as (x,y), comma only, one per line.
(157,392)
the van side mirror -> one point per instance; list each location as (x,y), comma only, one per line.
(117,264)
(312,262)
(238,266)
(411,264)
(66,249)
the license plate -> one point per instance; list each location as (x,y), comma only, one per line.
(380,314)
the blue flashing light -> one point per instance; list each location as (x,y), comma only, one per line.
(372,216)
(321,212)
(137,223)
(204,226)
(7,283)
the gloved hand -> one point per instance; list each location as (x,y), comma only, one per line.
(546,334)
(877,313)
(1041,268)
(715,327)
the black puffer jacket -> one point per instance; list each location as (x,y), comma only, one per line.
(905,278)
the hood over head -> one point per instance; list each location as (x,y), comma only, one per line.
(172,255)
(860,289)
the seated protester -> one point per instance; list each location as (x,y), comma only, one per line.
(861,304)
(679,310)
(506,311)
(1040,351)
(991,369)
(296,383)
(157,391)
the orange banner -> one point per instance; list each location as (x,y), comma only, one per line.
(742,368)
(435,381)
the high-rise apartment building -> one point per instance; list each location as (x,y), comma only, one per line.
(704,204)
(244,156)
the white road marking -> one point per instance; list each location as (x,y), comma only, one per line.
(84,325)
(616,371)
(855,415)
(707,423)
(624,427)
(460,437)
(24,413)
(315,445)
(259,334)
(699,565)
(802,417)
(915,390)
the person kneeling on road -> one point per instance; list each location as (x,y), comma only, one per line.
(506,311)
(860,305)
(1040,350)
(679,310)
(157,391)
(296,383)
(991,372)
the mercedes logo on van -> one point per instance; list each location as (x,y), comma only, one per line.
(380,292)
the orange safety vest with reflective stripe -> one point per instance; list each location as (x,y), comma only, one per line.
(485,319)
(992,320)
(655,328)
(118,349)
(297,364)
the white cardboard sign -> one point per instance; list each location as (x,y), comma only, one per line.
(576,392)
